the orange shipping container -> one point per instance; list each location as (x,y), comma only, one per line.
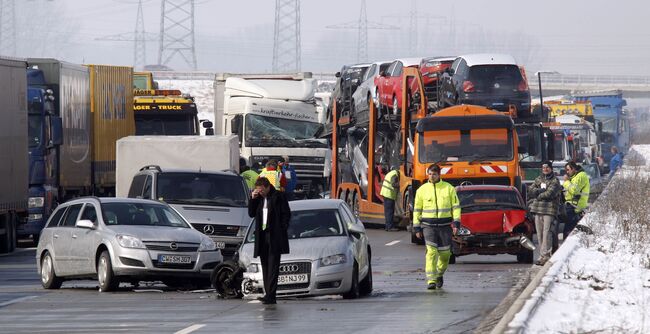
(111,105)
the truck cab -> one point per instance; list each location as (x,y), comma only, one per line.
(214,203)
(160,112)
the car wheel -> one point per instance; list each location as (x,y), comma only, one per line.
(452,259)
(354,287)
(105,275)
(365,288)
(49,280)
(227,279)
(525,256)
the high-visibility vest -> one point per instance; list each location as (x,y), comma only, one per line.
(250,176)
(273,176)
(577,190)
(436,200)
(387,189)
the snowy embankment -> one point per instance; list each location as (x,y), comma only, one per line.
(600,282)
(201,90)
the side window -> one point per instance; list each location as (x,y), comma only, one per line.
(146,193)
(397,71)
(71,216)
(454,65)
(54,220)
(136,186)
(370,72)
(89,213)
(462,68)
(391,68)
(348,217)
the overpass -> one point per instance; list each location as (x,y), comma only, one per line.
(561,84)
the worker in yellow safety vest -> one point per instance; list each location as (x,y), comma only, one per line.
(576,187)
(389,190)
(274,175)
(436,217)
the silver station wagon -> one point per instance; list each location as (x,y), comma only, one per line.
(122,240)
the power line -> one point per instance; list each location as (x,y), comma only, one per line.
(286,37)
(177,32)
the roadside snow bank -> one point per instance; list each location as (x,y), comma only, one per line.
(603,285)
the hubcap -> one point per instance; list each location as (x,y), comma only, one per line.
(45,269)
(101,275)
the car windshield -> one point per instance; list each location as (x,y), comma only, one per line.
(592,170)
(202,189)
(310,224)
(495,77)
(531,139)
(142,214)
(466,145)
(281,132)
(479,200)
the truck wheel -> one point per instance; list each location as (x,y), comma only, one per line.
(49,280)
(106,276)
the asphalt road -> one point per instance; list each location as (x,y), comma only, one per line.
(400,303)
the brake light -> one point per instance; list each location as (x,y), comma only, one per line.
(523,86)
(468,86)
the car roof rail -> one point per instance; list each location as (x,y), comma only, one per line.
(148,167)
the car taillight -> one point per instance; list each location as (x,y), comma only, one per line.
(468,86)
(523,86)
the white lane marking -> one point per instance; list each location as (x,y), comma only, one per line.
(254,302)
(17,300)
(394,242)
(190,329)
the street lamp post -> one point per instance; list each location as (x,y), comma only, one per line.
(541,100)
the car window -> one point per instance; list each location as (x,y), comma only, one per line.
(56,217)
(136,186)
(501,77)
(397,71)
(71,216)
(370,72)
(454,65)
(462,68)
(472,199)
(142,214)
(89,213)
(146,192)
(384,67)
(391,68)
(348,216)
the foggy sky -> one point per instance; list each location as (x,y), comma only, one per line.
(570,37)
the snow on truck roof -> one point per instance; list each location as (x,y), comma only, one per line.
(299,90)
(489,59)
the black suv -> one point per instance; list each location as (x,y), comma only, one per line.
(494,81)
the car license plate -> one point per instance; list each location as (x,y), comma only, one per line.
(174,258)
(292,279)
(219,244)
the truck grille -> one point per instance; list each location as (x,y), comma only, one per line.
(217,230)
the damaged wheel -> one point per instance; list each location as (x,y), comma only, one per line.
(227,279)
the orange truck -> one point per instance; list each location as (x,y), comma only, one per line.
(472,145)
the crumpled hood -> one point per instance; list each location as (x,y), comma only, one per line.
(159,233)
(304,249)
(200,214)
(492,221)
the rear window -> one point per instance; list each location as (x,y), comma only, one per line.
(488,77)
(492,198)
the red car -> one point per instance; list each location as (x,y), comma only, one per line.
(494,220)
(389,84)
(432,69)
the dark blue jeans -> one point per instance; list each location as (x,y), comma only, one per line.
(389,212)
(572,220)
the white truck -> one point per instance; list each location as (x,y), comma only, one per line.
(197,175)
(275,116)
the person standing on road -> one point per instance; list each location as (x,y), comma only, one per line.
(389,189)
(615,162)
(576,187)
(291,177)
(545,192)
(248,174)
(274,175)
(270,209)
(435,217)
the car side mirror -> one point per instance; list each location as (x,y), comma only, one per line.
(85,223)
(356,230)
(338,74)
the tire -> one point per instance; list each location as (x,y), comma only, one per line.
(365,287)
(227,279)
(7,240)
(354,287)
(49,279)
(105,275)
(525,256)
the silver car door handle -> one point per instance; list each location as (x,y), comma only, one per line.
(56,236)
(74,236)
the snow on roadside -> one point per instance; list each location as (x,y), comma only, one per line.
(604,285)
(201,90)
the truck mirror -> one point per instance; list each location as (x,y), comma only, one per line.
(207,124)
(56,132)
(338,74)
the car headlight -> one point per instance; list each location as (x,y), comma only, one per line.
(252,268)
(128,241)
(463,231)
(207,245)
(242,231)
(36,202)
(35,216)
(334,259)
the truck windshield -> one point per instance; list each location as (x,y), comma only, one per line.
(34,130)
(530,138)
(165,125)
(202,189)
(560,148)
(281,132)
(609,124)
(465,145)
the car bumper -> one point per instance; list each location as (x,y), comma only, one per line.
(329,280)
(145,263)
(521,103)
(487,244)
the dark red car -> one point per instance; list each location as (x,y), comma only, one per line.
(432,69)
(494,220)
(389,84)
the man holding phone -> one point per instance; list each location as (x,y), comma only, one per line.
(270,209)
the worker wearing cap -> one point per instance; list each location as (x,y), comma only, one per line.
(274,175)
(436,216)
(389,190)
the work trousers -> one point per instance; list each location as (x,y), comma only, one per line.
(270,261)
(389,212)
(543,226)
(572,220)
(438,244)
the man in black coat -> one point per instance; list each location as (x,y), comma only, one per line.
(270,209)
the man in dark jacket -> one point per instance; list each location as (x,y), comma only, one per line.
(270,209)
(545,194)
